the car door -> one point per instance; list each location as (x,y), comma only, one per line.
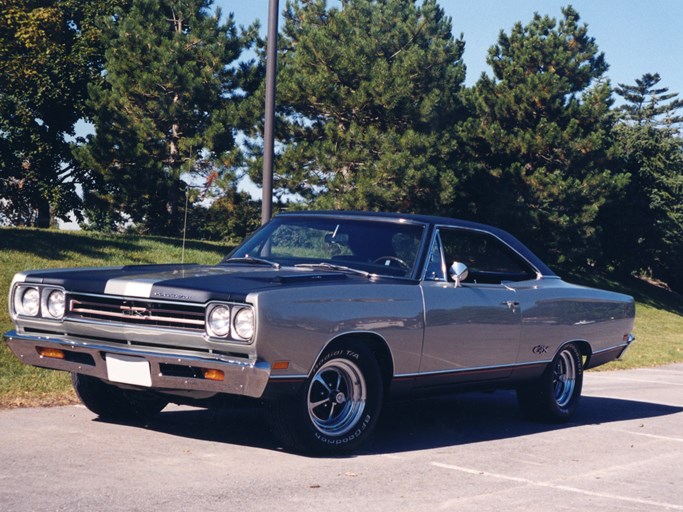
(472,328)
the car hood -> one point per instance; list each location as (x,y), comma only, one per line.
(187,283)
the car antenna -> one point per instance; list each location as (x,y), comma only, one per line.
(187,198)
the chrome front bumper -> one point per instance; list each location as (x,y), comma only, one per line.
(169,372)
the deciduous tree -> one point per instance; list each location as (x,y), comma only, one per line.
(49,52)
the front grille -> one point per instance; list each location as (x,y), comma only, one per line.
(136,312)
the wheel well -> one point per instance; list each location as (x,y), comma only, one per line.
(378,347)
(584,349)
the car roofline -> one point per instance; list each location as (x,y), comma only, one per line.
(433,220)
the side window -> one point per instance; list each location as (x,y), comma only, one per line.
(488,259)
(436,270)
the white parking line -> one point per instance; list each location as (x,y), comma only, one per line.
(630,379)
(643,434)
(526,481)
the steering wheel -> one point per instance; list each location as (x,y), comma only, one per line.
(390,260)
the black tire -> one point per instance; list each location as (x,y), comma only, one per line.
(338,406)
(113,403)
(555,396)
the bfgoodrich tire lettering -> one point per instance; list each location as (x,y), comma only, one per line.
(555,395)
(337,408)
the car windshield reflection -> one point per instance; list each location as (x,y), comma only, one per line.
(371,247)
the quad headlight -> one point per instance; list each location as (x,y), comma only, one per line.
(28,303)
(244,323)
(39,302)
(55,305)
(219,321)
(234,322)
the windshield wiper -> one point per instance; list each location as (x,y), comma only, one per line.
(330,266)
(248,260)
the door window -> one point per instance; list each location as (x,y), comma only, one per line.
(488,259)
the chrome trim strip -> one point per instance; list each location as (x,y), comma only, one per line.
(473,369)
(158,300)
(613,347)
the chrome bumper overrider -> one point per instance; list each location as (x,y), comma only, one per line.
(248,378)
(629,338)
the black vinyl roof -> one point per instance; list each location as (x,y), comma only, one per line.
(432,220)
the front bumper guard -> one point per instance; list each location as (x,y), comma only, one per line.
(241,377)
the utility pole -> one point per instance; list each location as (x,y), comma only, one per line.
(269,128)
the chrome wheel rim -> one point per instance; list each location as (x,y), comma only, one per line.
(336,397)
(564,378)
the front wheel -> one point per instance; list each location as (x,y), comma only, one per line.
(338,406)
(113,403)
(555,395)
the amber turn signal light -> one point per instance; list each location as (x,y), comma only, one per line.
(54,353)
(213,374)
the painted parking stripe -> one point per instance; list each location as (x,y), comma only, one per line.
(526,481)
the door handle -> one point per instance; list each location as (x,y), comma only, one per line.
(512,304)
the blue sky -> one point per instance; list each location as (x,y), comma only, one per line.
(637,36)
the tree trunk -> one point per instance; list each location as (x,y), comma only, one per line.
(44,219)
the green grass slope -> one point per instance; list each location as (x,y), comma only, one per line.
(23,249)
(659,316)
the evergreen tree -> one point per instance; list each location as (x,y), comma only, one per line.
(646,225)
(539,137)
(367,92)
(49,52)
(165,109)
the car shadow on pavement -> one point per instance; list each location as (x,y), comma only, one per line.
(478,417)
(412,425)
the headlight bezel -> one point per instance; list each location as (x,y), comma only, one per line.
(41,309)
(230,333)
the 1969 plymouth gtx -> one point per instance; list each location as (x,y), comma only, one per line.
(323,316)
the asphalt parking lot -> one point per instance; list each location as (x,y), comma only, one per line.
(472,452)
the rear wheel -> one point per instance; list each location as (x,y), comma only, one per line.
(111,402)
(556,394)
(337,408)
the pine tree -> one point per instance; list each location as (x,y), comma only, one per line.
(646,224)
(539,137)
(367,92)
(166,109)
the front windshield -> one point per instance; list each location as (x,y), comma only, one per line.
(375,246)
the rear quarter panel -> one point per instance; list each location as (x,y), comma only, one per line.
(557,312)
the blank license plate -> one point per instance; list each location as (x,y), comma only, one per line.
(128,370)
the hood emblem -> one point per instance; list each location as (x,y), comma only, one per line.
(175,296)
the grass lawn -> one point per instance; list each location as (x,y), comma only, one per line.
(24,249)
(659,314)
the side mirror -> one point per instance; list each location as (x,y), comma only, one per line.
(458,272)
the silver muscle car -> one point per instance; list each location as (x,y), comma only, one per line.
(323,316)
